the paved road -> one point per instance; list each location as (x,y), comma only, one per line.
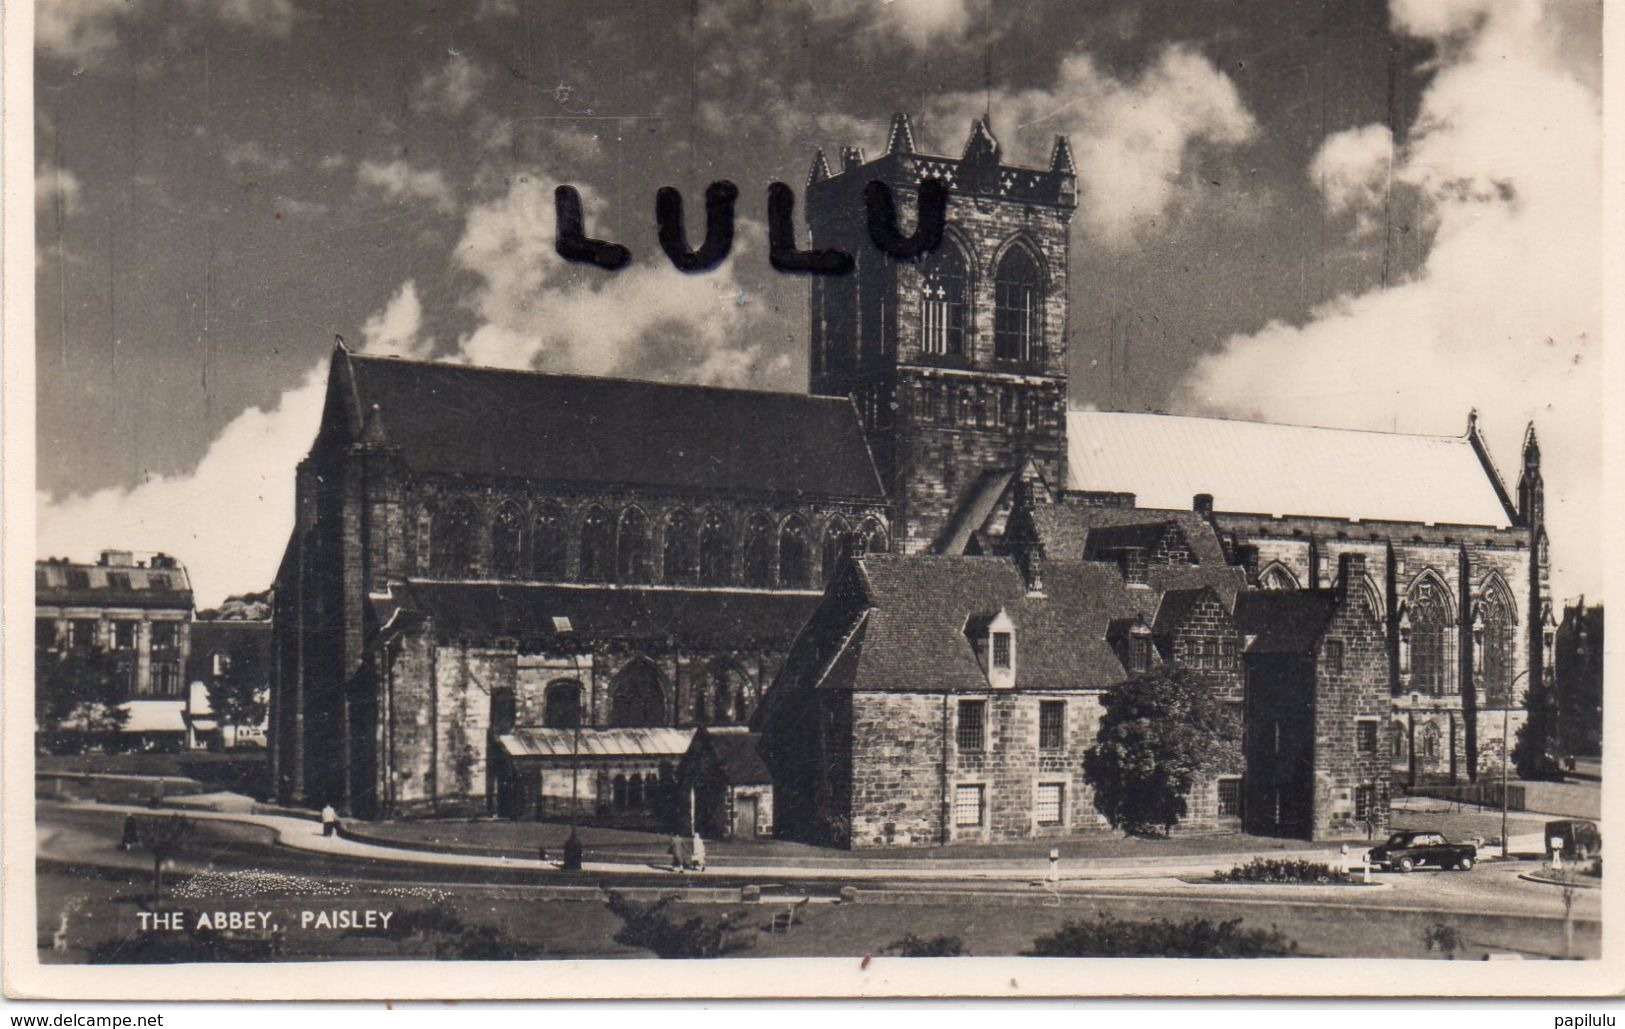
(88,834)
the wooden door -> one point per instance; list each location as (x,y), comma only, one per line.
(744,818)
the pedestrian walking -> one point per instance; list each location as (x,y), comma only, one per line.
(131,837)
(699,853)
(330,820)
(679,853)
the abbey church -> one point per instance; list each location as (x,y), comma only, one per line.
(886,609)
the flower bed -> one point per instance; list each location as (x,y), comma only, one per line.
(1291,871)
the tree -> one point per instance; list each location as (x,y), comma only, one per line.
(237,697)
(1159,734)
(1534,754)
(78,692)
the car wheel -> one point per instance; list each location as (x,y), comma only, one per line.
(1465,864)
(1404,864)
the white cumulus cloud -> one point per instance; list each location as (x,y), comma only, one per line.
(648,319)
(1132,139)
(1506,313)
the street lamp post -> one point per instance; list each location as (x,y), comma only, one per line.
(1506,757)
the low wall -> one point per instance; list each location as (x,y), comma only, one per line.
(1571,800)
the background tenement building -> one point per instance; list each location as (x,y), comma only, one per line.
(130,617)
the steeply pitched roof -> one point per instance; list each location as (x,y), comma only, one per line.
(1261,468)
(973,512)
(734,748)
(1284,621)
(569,428)
(476,610)
(913,637)
(1068,531)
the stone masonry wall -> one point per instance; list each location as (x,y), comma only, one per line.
(1350,688)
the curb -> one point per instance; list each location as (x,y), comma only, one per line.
(1546,880)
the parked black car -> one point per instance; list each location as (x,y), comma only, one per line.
(1410,848)
(1581,839)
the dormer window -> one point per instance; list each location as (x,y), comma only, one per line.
(993,638)
(1139,650)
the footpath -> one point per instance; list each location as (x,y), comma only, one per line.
(306,835)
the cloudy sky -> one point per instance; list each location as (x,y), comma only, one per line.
(1372,213)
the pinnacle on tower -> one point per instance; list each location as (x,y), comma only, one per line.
(851,157)
(1060,158)
(820,168)
(982,144)
(900,140)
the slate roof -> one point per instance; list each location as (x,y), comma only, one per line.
(913,635)
(62,583)
(1262,468)
(734,749)
(1284,621)
(974,511)
(476,610)
(654,742)
(449,418)
(1068,531)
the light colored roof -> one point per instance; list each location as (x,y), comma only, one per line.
(655,742)
(155,716)
(1262,468)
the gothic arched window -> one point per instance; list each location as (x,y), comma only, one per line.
(874,535)
(795,554)
(679,561)
(547,544)
(453,538)
(1016,313)
(730,692)
(506,554)
(597,546)
(716,549)
(1428,745)
(942,302)
(561,705)
(1496,644)
(835,534)
(1276,577)
(632,547)
(637,696)
(1430,623)
(758,551)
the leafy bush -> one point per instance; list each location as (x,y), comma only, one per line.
(1109,937)
(912,946)
(650,927)
(1282,870)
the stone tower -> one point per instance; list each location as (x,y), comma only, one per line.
(957,359)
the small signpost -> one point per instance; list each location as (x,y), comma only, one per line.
(1054,864)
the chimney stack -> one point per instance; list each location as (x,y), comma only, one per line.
(1350,570)
(1202,504)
